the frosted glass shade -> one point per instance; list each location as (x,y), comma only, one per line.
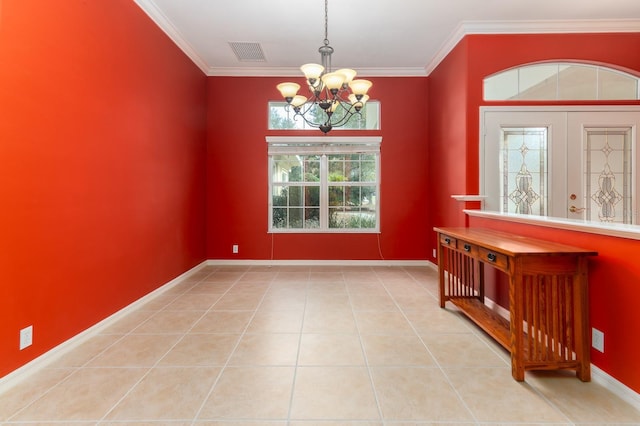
(288,90)
(312,71)
(348,73)
(360,87)
(333,80)
(298,100)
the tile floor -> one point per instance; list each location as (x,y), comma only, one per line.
(301,346)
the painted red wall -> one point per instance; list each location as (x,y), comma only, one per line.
(614,274)
(102,166)
(237,182)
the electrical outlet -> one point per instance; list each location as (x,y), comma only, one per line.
(235,249)
(597,339)
(435,253)
(26,337)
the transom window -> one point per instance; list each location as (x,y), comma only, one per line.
(561,81)
(324,184)
(280,119)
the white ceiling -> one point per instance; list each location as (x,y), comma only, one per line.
(375,37)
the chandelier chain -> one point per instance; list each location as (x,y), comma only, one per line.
(326,22)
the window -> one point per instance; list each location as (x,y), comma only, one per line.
(561,81)
(324,184)
(280,119)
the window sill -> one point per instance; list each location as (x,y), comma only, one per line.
(614,230)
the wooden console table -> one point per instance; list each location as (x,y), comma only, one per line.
(548,296)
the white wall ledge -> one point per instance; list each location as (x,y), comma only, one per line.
(612,230)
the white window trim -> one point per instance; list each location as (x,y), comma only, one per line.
(314,145)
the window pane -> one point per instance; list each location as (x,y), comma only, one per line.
(295,196)
(336,196)
(312,218)
(615,85)
(312,196)
(501,86)
(295,217)
(281,119)
(577,82)
(538,82)
(279,218)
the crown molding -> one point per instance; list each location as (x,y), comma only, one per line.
(156,15)
(295,72)
(531,27)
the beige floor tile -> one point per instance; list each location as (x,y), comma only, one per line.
(30,389)
(255,275)
(382,323)
(79,356)
(417,393)
(328,302)
(582,402)
(169,322)
(136,350)
(212,288)
(326,276)
(377,303)
(462,350)
(341,321)
(86,395)
(197,349)
(437,320)
(193,302)
(284,301)
(228,275)
(223,322)
(330,349)
(327,287)
(278,321)
(250,393)
(492,395)
(365,276)
(337,393)
(293,276)
(410,300)
(238,301)
(393,350)
(266,349)
(167,393)
(128,323)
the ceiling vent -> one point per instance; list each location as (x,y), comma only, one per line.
(247,52)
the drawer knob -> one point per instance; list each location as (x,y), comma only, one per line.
(447,240)
(491,257)
(467,247)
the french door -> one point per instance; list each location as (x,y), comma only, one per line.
(577,164)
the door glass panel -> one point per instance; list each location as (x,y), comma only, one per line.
(523,170)
(608,174)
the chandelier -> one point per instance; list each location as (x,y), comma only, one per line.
(337,95)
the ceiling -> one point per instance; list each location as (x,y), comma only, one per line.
(375,37)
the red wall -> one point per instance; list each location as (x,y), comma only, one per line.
(237,182)
(614,274)
(102,166)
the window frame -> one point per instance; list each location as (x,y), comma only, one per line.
(323,146)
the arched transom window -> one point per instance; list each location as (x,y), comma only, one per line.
(561,81)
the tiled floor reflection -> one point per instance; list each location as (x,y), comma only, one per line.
(301,346)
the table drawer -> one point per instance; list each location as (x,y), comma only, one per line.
(468,248)
(493,258)
(448,241)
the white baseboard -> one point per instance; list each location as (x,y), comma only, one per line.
(48,357)
(250,262)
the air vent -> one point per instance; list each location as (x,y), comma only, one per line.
(247,52)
